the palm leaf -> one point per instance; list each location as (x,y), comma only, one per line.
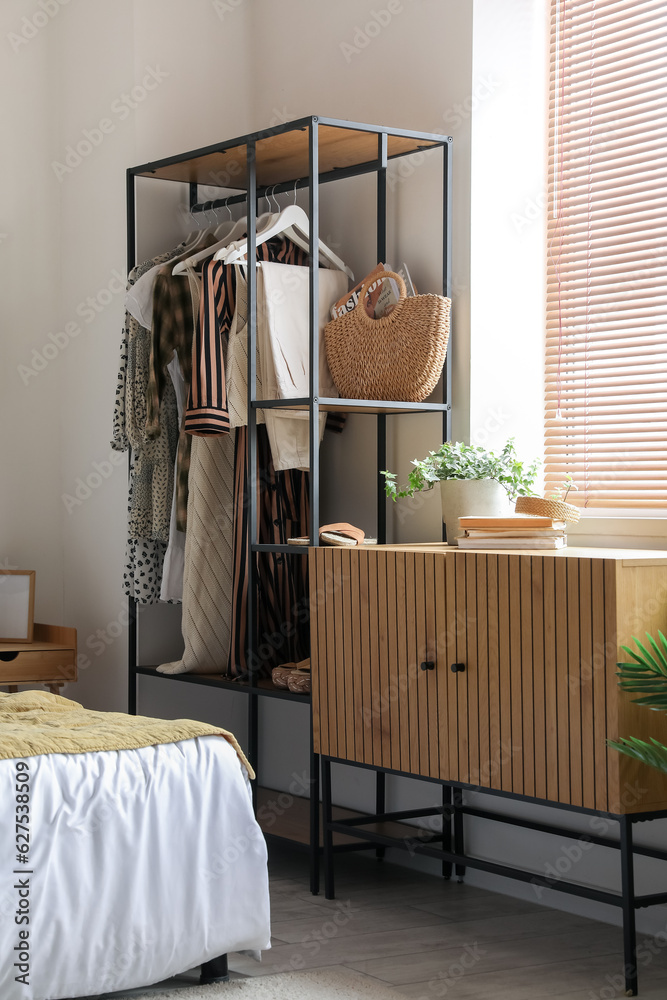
(656,702)
(660,653)
(646,658)
(647,675)
(632,653)
(653,754)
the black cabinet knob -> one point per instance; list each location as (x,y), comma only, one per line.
(458,668)
(427,665)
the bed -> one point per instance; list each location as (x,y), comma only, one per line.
(121,867)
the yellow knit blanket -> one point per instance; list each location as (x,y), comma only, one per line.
(36,722)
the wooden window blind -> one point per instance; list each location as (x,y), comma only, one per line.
(606,350)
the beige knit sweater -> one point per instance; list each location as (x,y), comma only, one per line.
(36,722)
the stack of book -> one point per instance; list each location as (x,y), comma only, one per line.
(516,531)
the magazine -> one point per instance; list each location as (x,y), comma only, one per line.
(381,297)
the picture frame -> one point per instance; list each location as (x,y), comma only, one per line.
(17,605)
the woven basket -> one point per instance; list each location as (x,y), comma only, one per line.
(396,357)
(555,509)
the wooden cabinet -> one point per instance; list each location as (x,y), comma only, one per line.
(49,659)
(534,639)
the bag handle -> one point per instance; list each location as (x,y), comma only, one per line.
(371,280)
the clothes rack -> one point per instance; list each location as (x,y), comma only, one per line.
(304,153)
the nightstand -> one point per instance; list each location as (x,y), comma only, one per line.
(49,659)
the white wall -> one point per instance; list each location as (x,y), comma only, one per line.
(63,242)
(30,256)
(218,70)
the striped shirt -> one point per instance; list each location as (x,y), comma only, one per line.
(207,412)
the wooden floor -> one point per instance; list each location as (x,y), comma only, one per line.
(428,938)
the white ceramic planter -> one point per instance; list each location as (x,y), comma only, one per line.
(463,497)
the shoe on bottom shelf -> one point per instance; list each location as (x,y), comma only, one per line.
(340,533)
(280,675)
(298,681)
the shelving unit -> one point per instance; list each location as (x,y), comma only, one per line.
(304,153)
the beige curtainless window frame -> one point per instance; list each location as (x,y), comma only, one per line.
(606,347)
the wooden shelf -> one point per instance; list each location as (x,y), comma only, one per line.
(282,154)
(339,404)
(264,687)
(291,820)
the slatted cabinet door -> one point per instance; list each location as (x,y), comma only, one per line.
(534,724)
(373,625)
(481,647)
(487,604)
(451,684)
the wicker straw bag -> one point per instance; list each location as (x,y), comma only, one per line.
(395,357)
(556,509)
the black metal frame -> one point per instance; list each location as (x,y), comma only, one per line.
(314,403)
(453,810)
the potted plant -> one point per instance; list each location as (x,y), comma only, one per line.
(648,675)
(473,481)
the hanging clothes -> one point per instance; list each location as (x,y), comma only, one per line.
(283,511)
(208,566)
(236,361)
(217,550)
(174,559)
(207,411)
(173,328)
(283,325)
(207,553)
(172,334)
(150,485)
(153,479)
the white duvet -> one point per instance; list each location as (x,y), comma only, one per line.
(141,864)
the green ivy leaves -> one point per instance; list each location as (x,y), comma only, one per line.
(464,461)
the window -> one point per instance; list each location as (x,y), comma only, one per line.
(606,351)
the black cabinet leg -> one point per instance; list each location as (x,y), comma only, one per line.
(380,804)
(314,822)
(459,845)
(628,890)
(215,971)
(326,829)
(446,829)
